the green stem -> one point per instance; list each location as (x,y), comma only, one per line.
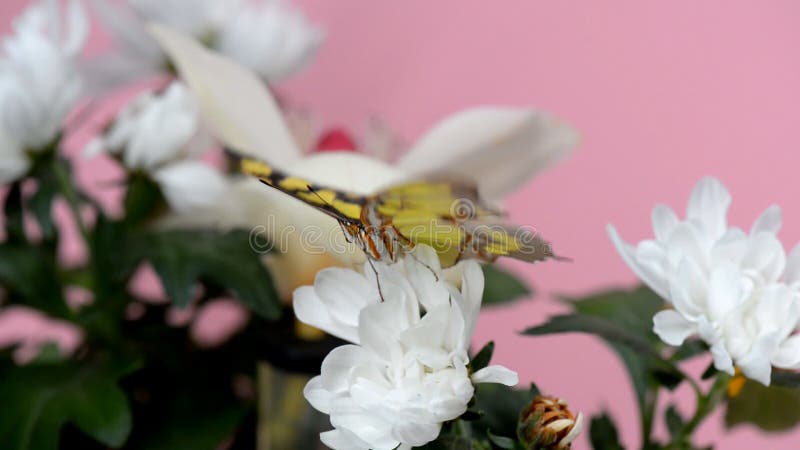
(706,403)
(68,191)
(650,401)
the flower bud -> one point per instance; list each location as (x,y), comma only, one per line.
(548,424)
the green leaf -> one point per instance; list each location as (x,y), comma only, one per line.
(12,212)
(603,433)
(663,371)
(690,349)
(709,373)
(624,319)
(45,398)
(501,406)
(483,357)
(501,287)
(182,258)
(632,310)
(773,408)
(143,199)
(673,420)
(785,378)
(501,441)
(580,323)
(29,274)
(40,204)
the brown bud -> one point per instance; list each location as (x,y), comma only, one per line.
(548,424)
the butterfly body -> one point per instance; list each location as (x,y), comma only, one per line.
(445,215)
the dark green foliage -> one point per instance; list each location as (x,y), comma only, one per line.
(603,433)
(502,287)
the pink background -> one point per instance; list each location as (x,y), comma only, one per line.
(662,92)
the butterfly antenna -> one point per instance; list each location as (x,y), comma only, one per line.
(314,191)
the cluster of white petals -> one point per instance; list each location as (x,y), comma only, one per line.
(39,80)
(270,37)
(737,290)
(161,134)
(406,371)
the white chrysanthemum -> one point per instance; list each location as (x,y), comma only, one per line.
(39,80)
(271,38)
(406,372)
(14,163)
(729,287)
(161,134)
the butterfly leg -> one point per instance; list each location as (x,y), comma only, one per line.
(377,278)
(344,231)
(407,250)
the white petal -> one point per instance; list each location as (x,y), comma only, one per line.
(129,32)
(725,292)
(709,204)
(472,284)
(78,24)
(379,325)
(319,397)
(348,171)
(722,359)
(499,148)
(788,355)
(655,282)
(345,293)
(336,367)
(190,184)
(496,374)
(13,161)
(688,290)
(769,221)
(687,242)
(367,426)
(664,221)
(309,309)
(756,365)
(342,440)
(235,103)
(766,256)
(792,270)
(417,434)
(573,433)
(672,327)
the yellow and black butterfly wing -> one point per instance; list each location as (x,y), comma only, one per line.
(420,227)
(490,240)
(444,199)
(342,206)
(451,218)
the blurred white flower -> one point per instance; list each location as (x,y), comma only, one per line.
(406,372)
(266,35)
(14,163)
(270,37)
(730,287)
(161,134)
(39,79)
(199,18)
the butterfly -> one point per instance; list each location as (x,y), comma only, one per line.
(446,215)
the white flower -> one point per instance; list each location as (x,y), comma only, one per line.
(14,163)
(406,372)
(267,35)
(730,287)
(162,135)
(270,38)
(39,80)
